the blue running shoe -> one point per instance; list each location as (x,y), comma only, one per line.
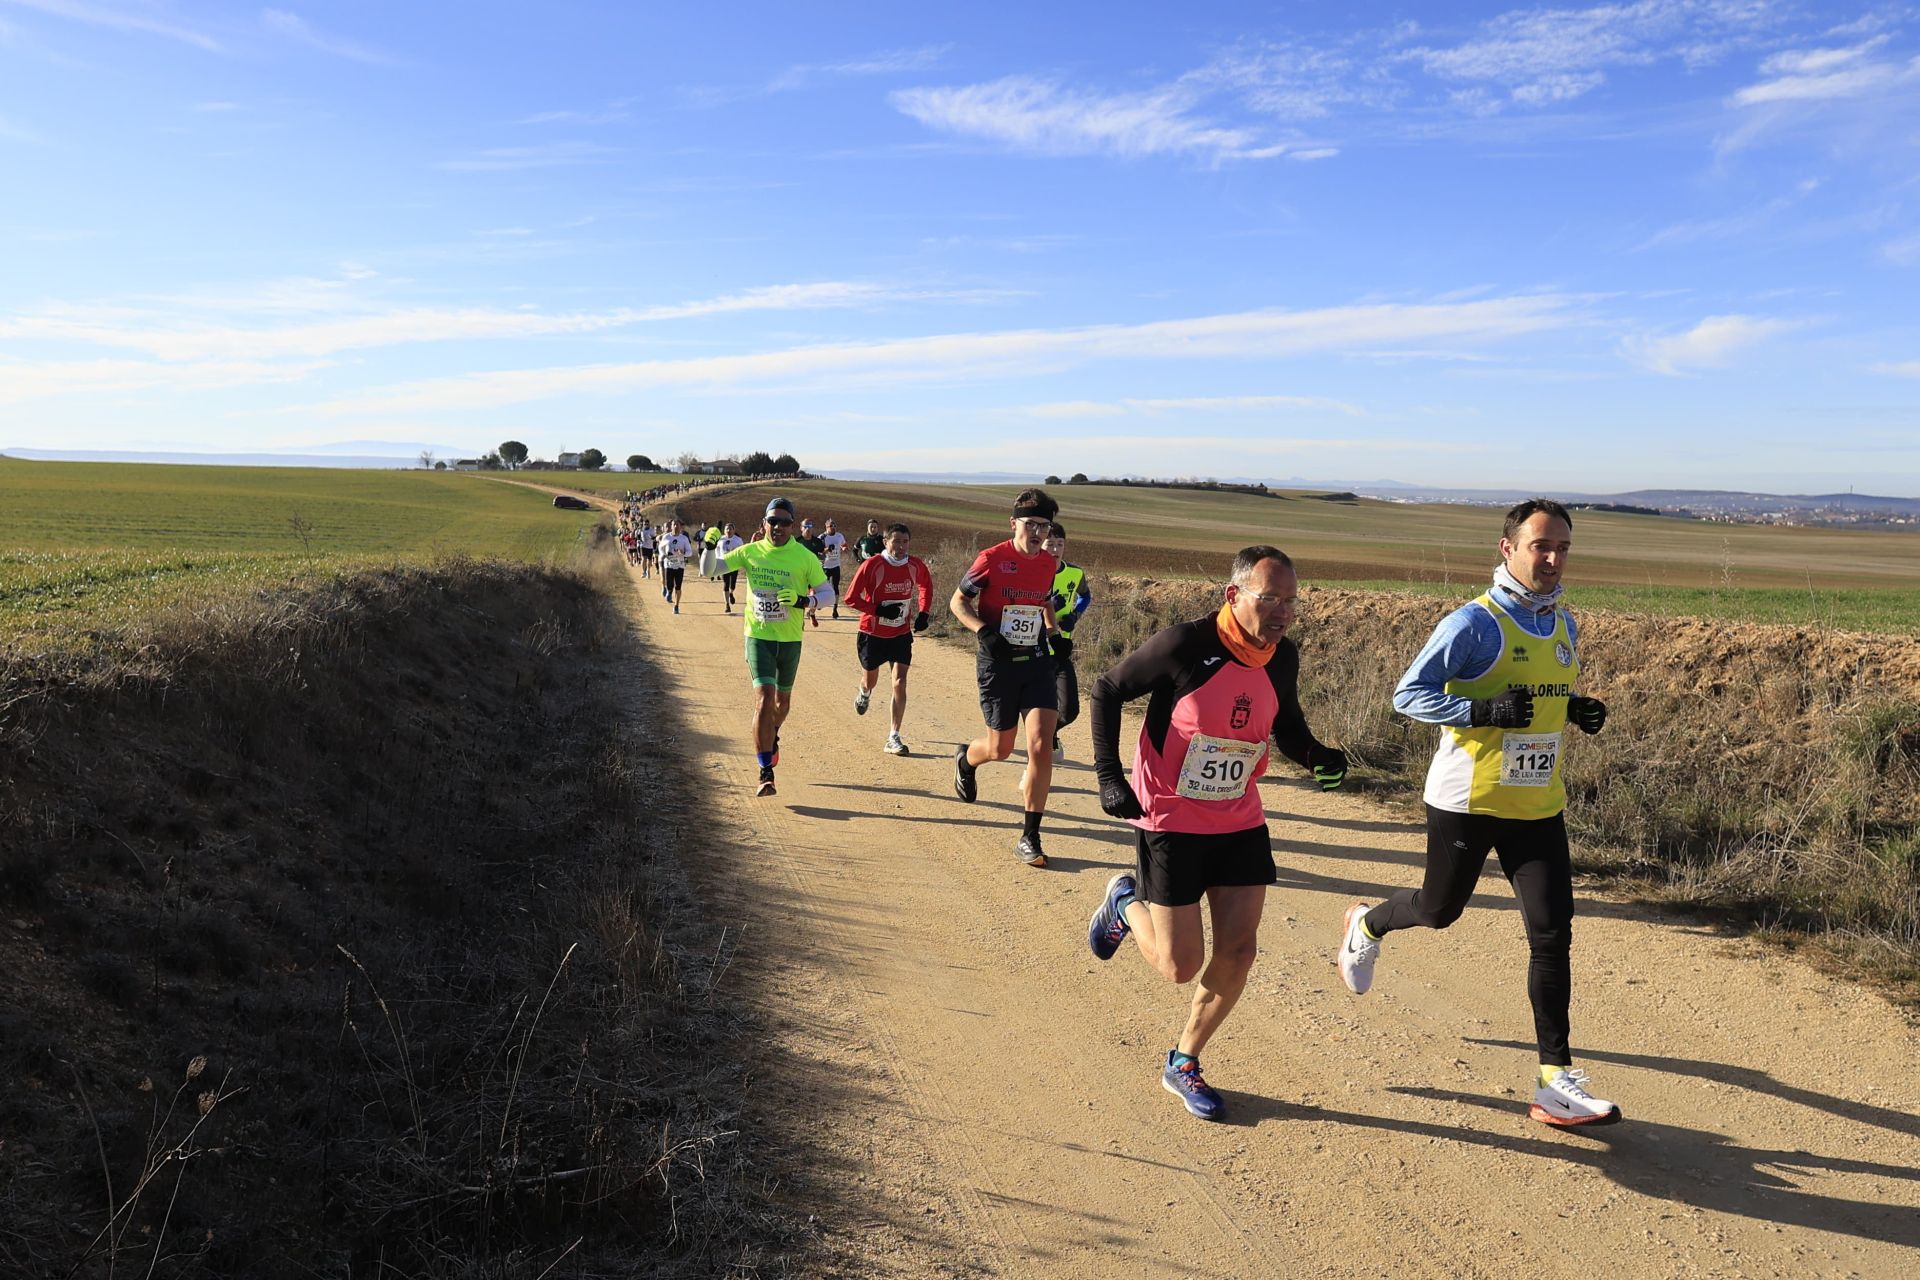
(1185,1083)
(1108,928)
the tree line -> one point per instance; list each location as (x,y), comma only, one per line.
(512,455)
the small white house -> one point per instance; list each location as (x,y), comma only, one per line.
(467,464)
(571,461)
(718,467)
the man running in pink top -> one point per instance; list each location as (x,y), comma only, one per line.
(1217,690)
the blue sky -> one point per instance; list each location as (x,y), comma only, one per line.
(1674,242)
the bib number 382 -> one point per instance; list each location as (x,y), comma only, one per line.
(1527,759)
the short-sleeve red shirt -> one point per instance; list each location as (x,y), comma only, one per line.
(1001,576)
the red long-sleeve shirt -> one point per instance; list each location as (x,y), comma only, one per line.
(883,594)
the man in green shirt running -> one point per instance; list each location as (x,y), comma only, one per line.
(871,545)
(783,579)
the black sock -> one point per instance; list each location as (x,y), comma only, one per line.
(1032,827)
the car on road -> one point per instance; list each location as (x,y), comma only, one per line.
(568,502)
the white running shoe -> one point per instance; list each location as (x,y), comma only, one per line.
(1357,951)
(894,746)
(860,698)
(1565,1101)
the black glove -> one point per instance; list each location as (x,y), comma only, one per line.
(1117,798)
(1063,647)
(1588,713)
(996,646)
(1329,767)
(920,620)
(1058,601)
(1512,709)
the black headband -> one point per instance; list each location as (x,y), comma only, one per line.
(1022,513)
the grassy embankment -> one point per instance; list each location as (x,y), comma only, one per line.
(338,935)
(1762,760)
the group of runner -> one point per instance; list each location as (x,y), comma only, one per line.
(1496,677)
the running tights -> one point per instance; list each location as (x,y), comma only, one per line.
(1534,858)
(1066,691)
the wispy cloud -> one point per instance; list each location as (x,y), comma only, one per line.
(1199,404)
(1269,334)
(1904,251)
(1711,344)
(1900,369)
(548,155)
(298,29)
(1823,75)
(1046,118)
(22,380)
(120,18)
(888,62)
(607,115)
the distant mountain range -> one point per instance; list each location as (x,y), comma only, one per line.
(377,455)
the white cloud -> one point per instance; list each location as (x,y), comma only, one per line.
(549,155)
(1902,369)
(1268,334)
(885,63)
(1708,345)
(1043,117)
(1903,252)
(22,380)
(294,27)
(611,115)
(1823,75)
(1204,404)
(116,18)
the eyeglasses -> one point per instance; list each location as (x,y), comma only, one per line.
(1036,526)
(1267,601)
(778,522)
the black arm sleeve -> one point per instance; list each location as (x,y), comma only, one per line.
(1152,668)
(1290,731)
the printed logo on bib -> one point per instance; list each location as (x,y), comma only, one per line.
(1526,759)
(1218,768)
(769,607)
(1021,624)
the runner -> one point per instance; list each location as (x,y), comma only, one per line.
(647,540)
(1216,689)
(675,550)
(833,546)
(883,592)
(871,545)
(1070,600)
(729,578)
(782,575)
(1497,675)
(1004,600)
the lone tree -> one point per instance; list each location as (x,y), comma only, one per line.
(1051,480)
(426,459)
(1078,477)
(513,453)
(592,459)
(640,462)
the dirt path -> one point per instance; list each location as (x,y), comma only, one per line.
(980,1095)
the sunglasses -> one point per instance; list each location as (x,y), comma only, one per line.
(778,522)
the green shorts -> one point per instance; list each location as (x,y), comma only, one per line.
(774,662)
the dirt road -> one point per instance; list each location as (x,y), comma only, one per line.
(979,1095)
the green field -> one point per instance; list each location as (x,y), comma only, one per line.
(91,544)
(1855,579)
(608,482)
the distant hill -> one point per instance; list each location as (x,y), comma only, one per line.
(334,455)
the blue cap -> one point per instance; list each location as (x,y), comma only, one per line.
(778,504)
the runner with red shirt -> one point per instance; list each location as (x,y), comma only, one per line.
(1217,689)
(1005,599)
(892,592)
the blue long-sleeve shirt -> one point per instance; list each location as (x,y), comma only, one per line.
(1464,646)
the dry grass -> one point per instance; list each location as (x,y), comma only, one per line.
(377,855)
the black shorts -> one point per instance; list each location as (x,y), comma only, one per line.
(675,578)
(646,553)
(833,576)
(877,651)
(1176,868)
(1008,690)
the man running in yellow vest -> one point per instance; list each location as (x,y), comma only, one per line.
(1070,600)
(1497,675)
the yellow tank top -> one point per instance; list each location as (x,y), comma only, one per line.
(1511,773)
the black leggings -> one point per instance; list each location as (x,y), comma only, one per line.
(676,578)
(727,581)
(1066,691)
(1534,857)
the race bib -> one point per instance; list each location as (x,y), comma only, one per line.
(1218,768)
(831,560)
(1021,624)
(893,613)
(1526,759)
(769,607)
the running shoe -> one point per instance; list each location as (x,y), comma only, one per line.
(965,785)
(1030,852)
(676,608)
(1056,744)
(766,781)
(1108,927)
(1357,950)
(860,700)
(894,746)
(1185,1083)
(1564,1101)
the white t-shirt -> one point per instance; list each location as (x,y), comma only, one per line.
(674,551)
(834,543)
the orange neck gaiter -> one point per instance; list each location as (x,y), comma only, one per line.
(1241,645)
